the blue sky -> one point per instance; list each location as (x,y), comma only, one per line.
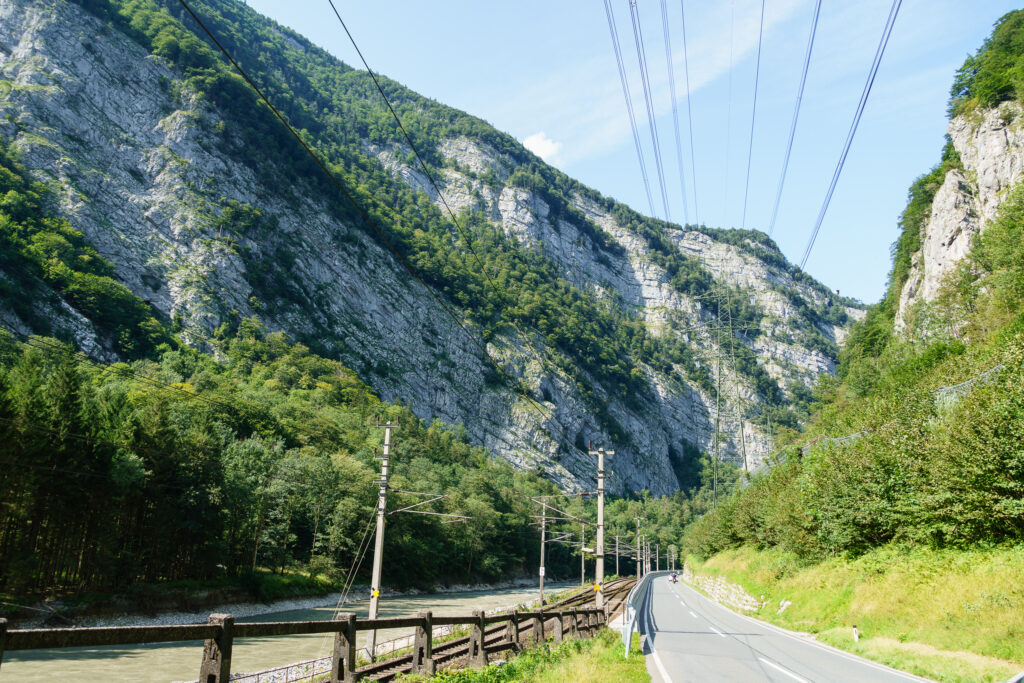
(545,73)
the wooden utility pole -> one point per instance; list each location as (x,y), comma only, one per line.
(543,543)
(378,546)
(599,546)
(639,553)
(657,557)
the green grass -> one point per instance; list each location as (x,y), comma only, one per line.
(595,660)
(945,614)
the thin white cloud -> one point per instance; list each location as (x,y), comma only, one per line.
(586,91)
(543,146)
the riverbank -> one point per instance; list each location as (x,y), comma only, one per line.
(190,602)
(948,615)
(162,662)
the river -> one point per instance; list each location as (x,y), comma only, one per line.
(165,662)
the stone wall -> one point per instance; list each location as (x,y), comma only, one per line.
(717,588)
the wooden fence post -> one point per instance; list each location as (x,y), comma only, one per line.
(216,666)
(512,630)
(477,653)
(559,626)
(423,646)
(538,629)
(343,662)
(574,625)
(3,638)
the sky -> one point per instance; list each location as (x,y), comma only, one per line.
(545,72)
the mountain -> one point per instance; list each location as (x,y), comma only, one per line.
(543,316)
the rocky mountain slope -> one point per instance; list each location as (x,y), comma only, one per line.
(989,144)
(154,152)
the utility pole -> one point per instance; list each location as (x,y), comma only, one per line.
(378,546)
(639,553)
(657,557)
(543,543)
(599,547)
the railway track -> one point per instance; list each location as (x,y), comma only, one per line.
(498,637)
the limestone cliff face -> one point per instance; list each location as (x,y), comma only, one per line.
(139,166)
(991,148)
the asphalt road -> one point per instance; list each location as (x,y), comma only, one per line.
(693,638)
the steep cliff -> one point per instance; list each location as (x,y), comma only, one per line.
(990,146)
(171,169)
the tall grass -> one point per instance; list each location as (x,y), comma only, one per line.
(952,615)
(599,660)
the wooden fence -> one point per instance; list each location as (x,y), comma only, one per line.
(220,632)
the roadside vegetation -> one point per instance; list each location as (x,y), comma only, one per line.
(190,468)
(900,507)
(599,660)
(949,615)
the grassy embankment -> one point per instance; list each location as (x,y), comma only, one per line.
(948,615)
(598,659)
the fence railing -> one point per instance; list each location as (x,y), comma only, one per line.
(221,631)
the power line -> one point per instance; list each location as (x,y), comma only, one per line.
(675,112)
(369,221)
(753,115)
(501,293)
(689,115)
(886,32)
(796,114)
(641,55)
(728,116)
(613,30)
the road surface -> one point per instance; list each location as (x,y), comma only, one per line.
(693,638)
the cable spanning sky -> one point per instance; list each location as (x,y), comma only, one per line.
(546,73)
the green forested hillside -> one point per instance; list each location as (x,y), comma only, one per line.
(184,467)
(926,464)
(43,257)
(179,464)
(901,507)
(339,112)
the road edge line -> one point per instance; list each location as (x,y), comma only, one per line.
(650,641)
(813,641)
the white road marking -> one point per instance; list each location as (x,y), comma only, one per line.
(717,631)
(646,618)
(782,670)
(814,643)
(693,614)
